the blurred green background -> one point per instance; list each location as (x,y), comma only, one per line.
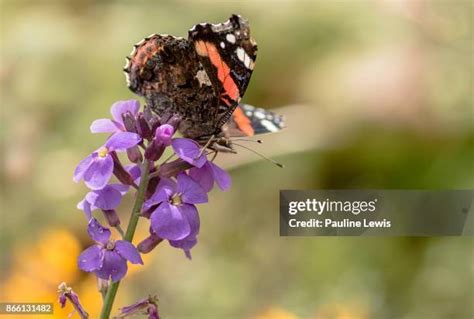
(377,94)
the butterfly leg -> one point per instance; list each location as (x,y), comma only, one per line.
(206,145)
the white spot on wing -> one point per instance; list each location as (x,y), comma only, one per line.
(127,78)
(230,38)
(246,61)
(259,115)
(244,58)
(269,126)
(240,54)
(222,44)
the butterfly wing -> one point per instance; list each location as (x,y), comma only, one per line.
(227,53)
(248,120)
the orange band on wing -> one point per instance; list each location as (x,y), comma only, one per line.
(243,122)
(207,49)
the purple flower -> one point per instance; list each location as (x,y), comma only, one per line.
(147,306)
(189,150)
(115,125)
(210,173)
(161,140)
(164,133)
(108,258)
(176,218)
(66,293)
(106,199)
(185,244)
(97,168)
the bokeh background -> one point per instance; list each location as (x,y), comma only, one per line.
(377,94)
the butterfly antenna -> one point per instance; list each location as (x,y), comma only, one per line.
(260,154)
(247,140)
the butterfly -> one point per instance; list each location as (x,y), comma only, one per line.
(202,79)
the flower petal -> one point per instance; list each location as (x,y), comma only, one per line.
(189,151)
(105,126)
(203,176)
(165,189)
(91,259)
(192,192)
(121,107)
(107,198)
(164,133)
(113,266)
(123,189)
(99,172)
(82,168)
(168,222)
(192,215)
(128,251)
(134,171)
(85,206)
(221,177)
(185,244)
(121,141)
(97,232)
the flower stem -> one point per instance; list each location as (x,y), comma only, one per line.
(132,225)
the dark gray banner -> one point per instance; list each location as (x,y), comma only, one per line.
(376,212)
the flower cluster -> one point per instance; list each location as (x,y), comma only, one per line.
(167,191)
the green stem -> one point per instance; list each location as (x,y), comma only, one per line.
(132,225)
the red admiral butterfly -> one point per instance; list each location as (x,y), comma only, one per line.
(202,79)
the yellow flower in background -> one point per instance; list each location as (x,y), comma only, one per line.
(36,270)
(275,313)
(342,311)
(50,260)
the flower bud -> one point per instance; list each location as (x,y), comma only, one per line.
(129,122)
(173,168)
(164,133)
(174,121)
(134,155)
(153,311)
(66,293)
(112,217)
(143,127)
(119,171)
(161,140)
(149,243)
(147,306)
(62,300)
(154,150)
